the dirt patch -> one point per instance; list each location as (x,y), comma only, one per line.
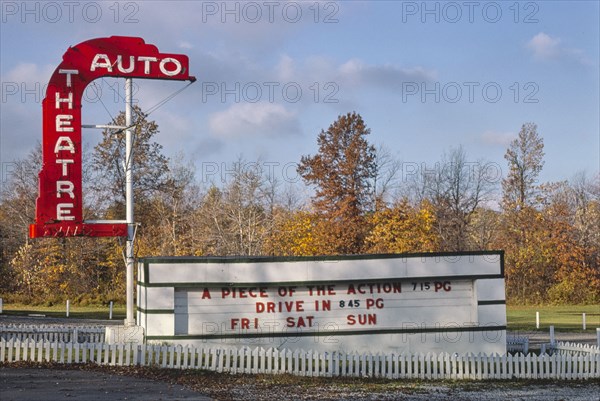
(49,382)
(52,384)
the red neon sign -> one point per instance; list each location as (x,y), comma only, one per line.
(59,207)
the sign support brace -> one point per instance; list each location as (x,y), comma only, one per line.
(129,251)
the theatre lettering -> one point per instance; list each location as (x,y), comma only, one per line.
(59,207)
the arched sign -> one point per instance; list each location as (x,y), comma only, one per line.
(59,206)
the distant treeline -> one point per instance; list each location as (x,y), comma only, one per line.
(361,199)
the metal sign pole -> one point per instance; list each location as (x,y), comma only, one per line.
(130,319)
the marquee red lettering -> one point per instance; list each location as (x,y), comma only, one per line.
(306,321)
(375,288)
(273,307)
(362,319)
(244,292)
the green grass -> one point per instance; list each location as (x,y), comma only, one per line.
(75,312)
(563,318)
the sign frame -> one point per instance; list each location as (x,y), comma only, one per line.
(160,279)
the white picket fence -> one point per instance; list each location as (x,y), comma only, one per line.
(309,363)
(570,348)
(517,344)
(81,334)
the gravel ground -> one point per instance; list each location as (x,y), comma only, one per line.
(26,383)
(50,382)
(23,382)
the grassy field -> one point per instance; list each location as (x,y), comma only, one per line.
(563,318)
(521,318)
(75,312)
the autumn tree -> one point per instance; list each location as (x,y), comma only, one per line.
(17,197)
(525,161)
(586,206)
(484,228)
(245,210)
(294,234)
(403,228)
(150,166)
(521,219)
(168,229)
(341,173)
(574,260)
(235,218)
(36,268)
(47,268)
(456,189)
(385,180)
(53,267)
(550,265)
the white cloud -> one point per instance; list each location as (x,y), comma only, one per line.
(185,45)
(498,138)
(29,77)
(544,46)
(385,75)
(285,69)
(23,72)
(243,120)
(176,129)
(23,89)
(223,70)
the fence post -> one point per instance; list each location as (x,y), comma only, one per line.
(552,335)
(68,307)
(537,320)
(584,322)
(1,305)
(110,310)
(598,336)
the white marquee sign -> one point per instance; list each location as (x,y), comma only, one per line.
(413,303)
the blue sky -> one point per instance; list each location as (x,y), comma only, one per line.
(425,76)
